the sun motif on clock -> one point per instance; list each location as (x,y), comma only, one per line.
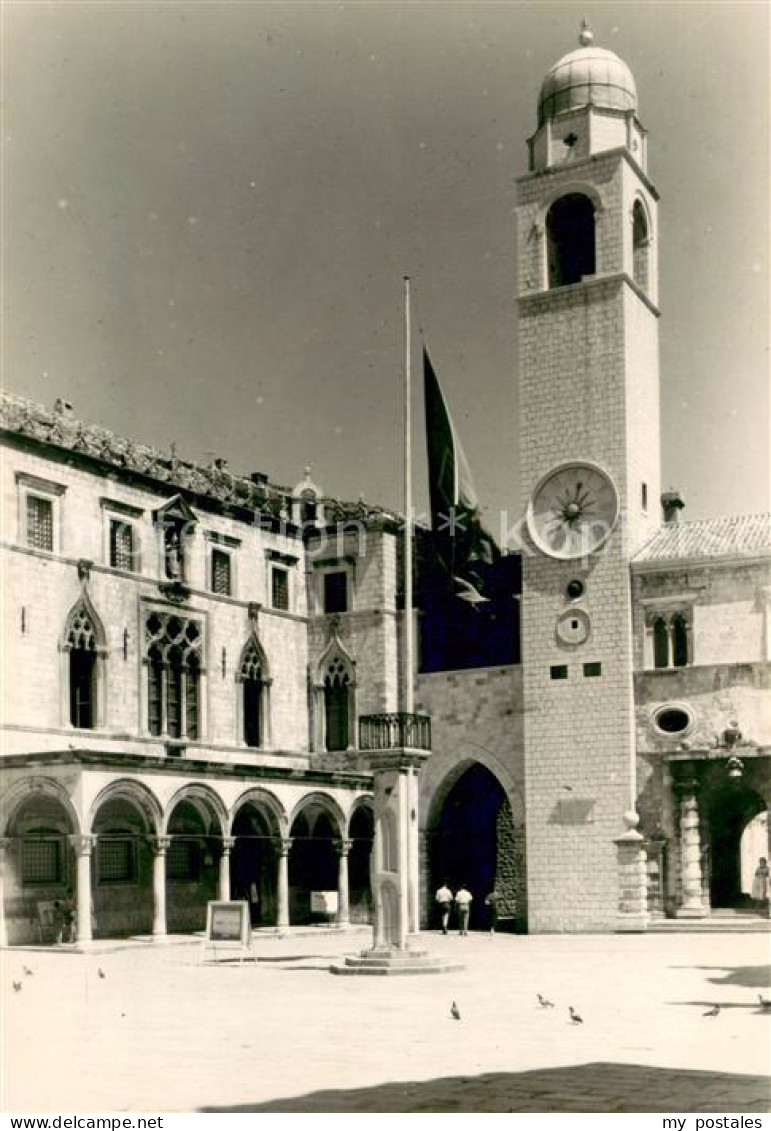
(573,510)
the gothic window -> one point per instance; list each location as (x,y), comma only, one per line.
(570,231)
(337,706)
(173,649)
(84,656)
(220,572)
(669,641)
(254,695)
(122,548)
(640,244)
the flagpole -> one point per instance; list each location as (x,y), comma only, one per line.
(408,600)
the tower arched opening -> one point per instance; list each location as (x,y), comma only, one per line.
(570,227)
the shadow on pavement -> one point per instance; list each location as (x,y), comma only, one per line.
(599,1087)
(754,977)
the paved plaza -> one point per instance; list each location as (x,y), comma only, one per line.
(143,1027)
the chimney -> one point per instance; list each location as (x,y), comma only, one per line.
(63,408)
(672,504)
(220,463)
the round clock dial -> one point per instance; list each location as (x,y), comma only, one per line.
(573,510)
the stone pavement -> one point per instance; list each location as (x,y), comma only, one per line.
(161,1031)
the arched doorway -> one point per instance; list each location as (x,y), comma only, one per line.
(313,859)
(472,843)
(192,865)
(254,862)
(361,833)
(123,867)
(40,868)
(731,809)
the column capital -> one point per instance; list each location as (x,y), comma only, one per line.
(159,844)
(283,845)
(83,843)
(228,844)
(343,847)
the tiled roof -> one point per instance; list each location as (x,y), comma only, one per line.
(743,535)
(59,429)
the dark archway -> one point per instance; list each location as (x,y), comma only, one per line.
(361,832)
(313,860)
(192,866)
(254,864)
(473,843)
(730,810)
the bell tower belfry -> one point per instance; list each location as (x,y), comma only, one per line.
(589,404)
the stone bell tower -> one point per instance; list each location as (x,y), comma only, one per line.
(589,405)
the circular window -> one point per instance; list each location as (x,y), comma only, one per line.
(673,720)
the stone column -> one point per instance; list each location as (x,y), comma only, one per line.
(160,846)
(690,854)
(343,847)
(283,881)
(84,846)
(6,843)
(223,887)
(632,877)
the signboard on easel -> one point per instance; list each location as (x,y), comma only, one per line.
(228,929)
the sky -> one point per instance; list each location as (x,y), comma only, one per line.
(209,209)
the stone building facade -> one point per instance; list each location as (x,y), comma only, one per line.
(199,664)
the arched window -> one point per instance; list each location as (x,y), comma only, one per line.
(254,688)
(337,706)
(660,643)
(83,657)
(679,641)
(640,243)
(570,230)
(173,658)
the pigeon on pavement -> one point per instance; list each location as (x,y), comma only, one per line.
(544,1002)
(101,973)
(27,971)
(17,986)
(765,1003)
(454,1012)
(574,1017)
(712,1012)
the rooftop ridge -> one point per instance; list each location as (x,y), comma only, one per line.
(722,536)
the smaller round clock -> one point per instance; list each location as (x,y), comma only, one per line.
(573,627)
(573,510)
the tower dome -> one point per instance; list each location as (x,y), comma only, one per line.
(589,76)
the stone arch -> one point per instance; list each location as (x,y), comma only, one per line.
(262,799)
(15,797)
(194,821)
(258,825)
(474,839)
(316,831)
(361,835)
(134,792)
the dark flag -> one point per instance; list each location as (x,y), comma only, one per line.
(461,542)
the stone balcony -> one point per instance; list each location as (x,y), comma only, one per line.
(395,731)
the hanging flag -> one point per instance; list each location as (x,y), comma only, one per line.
(459,536)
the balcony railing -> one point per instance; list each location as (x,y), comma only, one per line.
(394,731)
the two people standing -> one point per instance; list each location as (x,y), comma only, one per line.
(444,901)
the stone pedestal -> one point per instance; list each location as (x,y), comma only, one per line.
(632,877)
(690,849)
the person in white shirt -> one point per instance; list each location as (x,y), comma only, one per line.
(443,899)
(463,899)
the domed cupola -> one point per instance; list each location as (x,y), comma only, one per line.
(590,76)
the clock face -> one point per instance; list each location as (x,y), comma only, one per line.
(573,510)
